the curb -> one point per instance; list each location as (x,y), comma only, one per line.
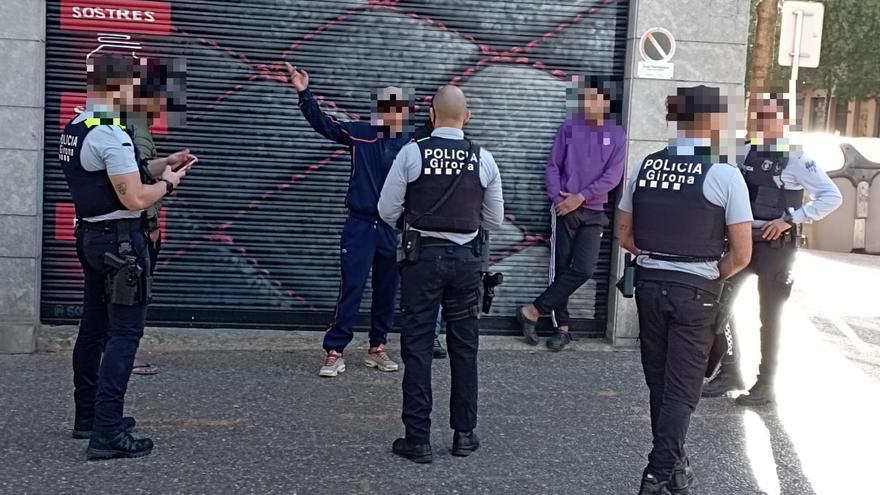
(61,339)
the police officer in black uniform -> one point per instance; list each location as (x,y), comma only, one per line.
(675,215)
(778,176)
(444,189)
(110,193)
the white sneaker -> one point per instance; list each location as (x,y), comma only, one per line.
(333,364)
(378,358)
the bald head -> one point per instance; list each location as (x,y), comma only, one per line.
(450,107)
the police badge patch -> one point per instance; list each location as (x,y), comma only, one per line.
(767,165)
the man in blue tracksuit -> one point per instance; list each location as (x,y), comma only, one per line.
(367,242)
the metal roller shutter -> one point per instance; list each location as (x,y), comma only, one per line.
(252,237)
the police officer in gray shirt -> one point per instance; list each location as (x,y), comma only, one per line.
(444,189)
(678,214)
(110,190)
(777,177)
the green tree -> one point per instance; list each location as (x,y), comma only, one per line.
(849,66)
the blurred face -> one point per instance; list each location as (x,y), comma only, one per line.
(767,120)
(595,104)
(704,125)
(151,106)
(393,113)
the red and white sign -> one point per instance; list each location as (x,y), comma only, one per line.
(117,16)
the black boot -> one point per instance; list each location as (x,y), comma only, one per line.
(559,340)
(439,351)
(117,445)
(82,430)
(651,485)
(760,394)
(682,477)
(728,380)
(464,443)
(417,452)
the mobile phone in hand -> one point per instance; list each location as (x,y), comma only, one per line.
(187,164)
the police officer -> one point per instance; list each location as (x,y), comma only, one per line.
(109,195)
(675,214)
(367,243)
(777,178)
(445,189)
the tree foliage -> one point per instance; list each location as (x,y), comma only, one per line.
(849,66)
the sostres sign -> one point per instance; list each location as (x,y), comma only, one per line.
(117,16)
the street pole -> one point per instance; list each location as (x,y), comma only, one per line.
(796,58)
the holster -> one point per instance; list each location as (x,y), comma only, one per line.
(408,246)
(126,283)
(626,284)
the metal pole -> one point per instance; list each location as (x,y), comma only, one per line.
(795,60)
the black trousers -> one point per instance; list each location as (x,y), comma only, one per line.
(451,276)
(773,267)
(676,332)
(109,335)
(578,236)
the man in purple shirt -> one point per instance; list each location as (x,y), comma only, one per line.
(586,162)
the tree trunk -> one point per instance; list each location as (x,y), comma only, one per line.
(766,13)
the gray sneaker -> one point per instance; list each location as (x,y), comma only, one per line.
(333,364)
(378,358)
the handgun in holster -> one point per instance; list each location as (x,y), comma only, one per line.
(626,284)
(126,283)
(724,303)
(490,280)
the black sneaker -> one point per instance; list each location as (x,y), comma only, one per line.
(419,453)
(651,485)
(464,443)
(117,445)
(759,395)
(559,340)
(83,430)
(728,380)
(439,351)
(528,328)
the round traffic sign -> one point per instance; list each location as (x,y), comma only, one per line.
(657,45)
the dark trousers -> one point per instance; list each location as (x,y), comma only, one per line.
(773,267)
(451,276)
(676,331)
(578,236)
(108,336)
(365,245)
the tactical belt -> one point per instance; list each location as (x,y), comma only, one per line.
(680,278)
(122,226)
(435,242)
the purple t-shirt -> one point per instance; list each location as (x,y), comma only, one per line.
(586,159)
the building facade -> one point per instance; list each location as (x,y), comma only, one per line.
(252,236)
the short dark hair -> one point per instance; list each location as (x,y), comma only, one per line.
(780,98)
(687,103)
(103,69)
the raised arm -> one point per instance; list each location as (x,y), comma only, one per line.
(324,124)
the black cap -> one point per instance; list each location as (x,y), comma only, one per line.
(687,103)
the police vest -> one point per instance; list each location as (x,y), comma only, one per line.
(670,213)
(92,191)
(443,161)
(768,198)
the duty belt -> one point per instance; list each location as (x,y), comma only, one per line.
(436,242)
(677,277)
(120,225)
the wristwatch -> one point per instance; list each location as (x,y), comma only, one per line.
(787,217)
(169,187)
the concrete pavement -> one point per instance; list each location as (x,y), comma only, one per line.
(254,420)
